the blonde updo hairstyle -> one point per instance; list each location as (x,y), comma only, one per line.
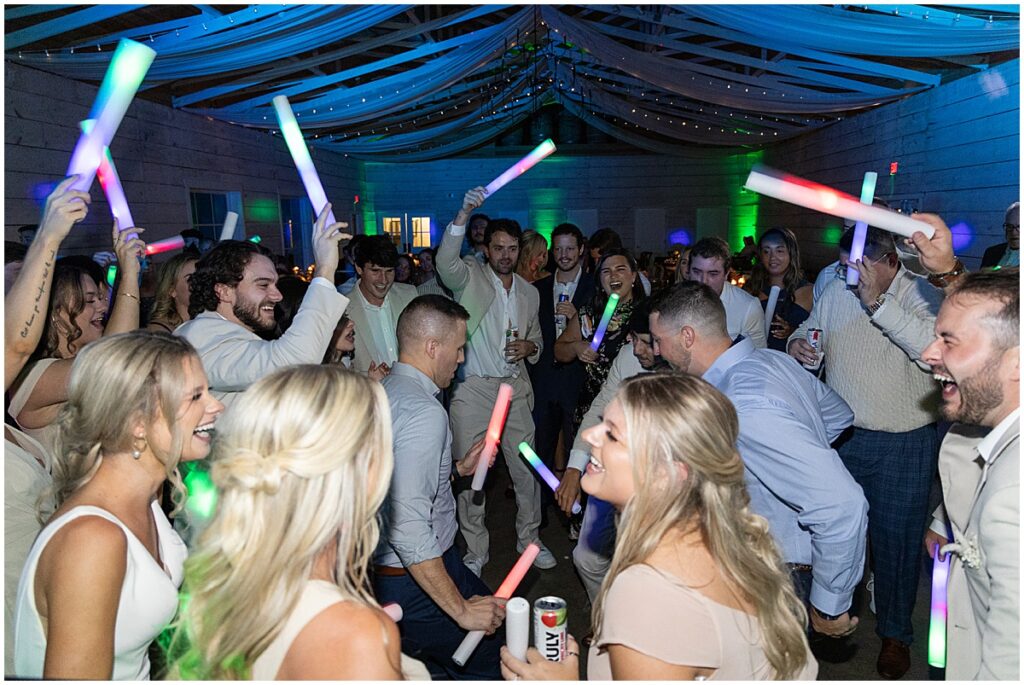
(302,460)
(116,381)
(673,420)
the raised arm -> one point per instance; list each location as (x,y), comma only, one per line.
(124,315)
(453,271)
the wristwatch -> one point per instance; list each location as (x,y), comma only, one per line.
(944,279)
(876,305)
(827,617)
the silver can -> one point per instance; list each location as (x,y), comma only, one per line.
(551,628)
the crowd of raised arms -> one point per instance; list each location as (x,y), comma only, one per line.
(735,445)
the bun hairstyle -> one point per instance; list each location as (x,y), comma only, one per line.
(302,462)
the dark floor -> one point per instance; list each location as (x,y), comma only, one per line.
(852,658)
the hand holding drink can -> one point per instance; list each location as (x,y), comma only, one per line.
(551,628)
(814,336)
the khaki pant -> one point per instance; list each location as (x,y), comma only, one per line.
(472,403)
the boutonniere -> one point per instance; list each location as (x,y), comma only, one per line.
(966,549)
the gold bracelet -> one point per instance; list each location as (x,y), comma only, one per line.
(134,297)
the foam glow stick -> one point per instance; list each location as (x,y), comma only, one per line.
(769,310)
(541,468)
(517,627)
(821,198)
(505,590)
(256,239)
(110,182)
(602,326)
(111,274)
(394,610)
(202,494)
(165,245)
(937,623)
(127,69)
(521,167)
(860,229)
(498,415)
(300,155)
(227,231)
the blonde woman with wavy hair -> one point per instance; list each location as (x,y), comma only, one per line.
(696,587)
(302,463)
(101,580)
(533,256)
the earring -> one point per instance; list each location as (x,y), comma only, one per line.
(136,450)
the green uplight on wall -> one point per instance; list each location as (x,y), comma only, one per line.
(832,232)
(367,208)
(743,205)
(547,210)
(262,209)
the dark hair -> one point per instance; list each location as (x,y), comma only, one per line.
(712,248)
(640,320)
(694,304)
(14,252)
(506,226)
(478,215)
(377,249)
(225,264)
(759,279)
(600,296)
(568,229)
(293,289)
(876,244)
(86,264)
(192,233)
(414,321)
(605,239)
(66,295)
(1000,285)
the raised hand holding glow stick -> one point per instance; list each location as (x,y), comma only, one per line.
(165,245)
(493,434)
(541,468)
(110,182)
(769,310)
(227,231)
(300,155)
(521,167)
(127,69)
(505,590)
(860,229)
(821,198)
(939,608)
(602,326)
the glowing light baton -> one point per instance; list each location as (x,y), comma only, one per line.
(202,494)
(127,69)
(521,167)
(937,623)
(393,610)
(110,182)
(256,239)
(111,274)
(505,590)
(493,434)
(165,245)
(541,468)
(227,231)
(602,326)
(517,627)
(769,310)
(300,155)
(860,229)
(821,198)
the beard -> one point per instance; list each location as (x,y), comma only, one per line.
(249,315)
(979,395)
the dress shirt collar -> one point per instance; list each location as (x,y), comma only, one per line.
(575,281)
(369,305)
(1009,427)
(738,352)
(422,379)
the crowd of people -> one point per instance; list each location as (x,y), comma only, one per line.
(737,474)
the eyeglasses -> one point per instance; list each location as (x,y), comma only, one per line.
(841,268)
(1011,227)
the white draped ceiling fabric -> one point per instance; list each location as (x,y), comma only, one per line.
(668,78)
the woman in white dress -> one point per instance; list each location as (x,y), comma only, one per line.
(278,585)
(101,579)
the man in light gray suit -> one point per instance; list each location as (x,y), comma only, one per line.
(504,331)
(232,295)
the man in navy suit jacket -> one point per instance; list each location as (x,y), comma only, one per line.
(556,386)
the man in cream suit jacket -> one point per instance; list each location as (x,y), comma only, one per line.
(377,302)
(232,295)
(976,358)
(503,333)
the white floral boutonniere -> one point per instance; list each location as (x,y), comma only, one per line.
(966,549)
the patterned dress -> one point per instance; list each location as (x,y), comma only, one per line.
(596,373)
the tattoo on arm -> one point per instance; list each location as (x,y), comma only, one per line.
(39,295)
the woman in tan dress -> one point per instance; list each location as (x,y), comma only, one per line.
(696,589)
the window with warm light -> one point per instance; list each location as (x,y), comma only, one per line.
(421,231)
(393,228)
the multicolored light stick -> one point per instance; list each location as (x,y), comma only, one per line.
(394,610)
(860,229)
(256,239)
(937,623)
(300,155)
(821,198)
(602,326)
(165,245)
(498,415)
(227,231)
(505,590)
(769,309)
(127,69)
(521,167)
(110,182)
(541,468)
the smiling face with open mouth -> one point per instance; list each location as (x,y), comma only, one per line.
(256,294)
(609,475)
(196,417)
(90,319)
(617,276)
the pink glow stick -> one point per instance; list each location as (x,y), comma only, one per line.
(110,182)
(165,245)
(394,610)
(521,167)
(505,590)
(860,229)
(498,415)
(939,610)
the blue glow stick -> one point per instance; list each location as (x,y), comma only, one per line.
(602,326)
(543,471)
(860,229)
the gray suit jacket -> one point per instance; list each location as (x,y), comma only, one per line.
(234,357)
(474,290)
(982,506)
(398,299)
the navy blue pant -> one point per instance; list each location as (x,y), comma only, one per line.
(430,635)
(895,471)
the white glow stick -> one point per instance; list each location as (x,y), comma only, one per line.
(165,245)
(830,201)
(769,310)
(517,627)
(505,590)
(227,232)
(394,610)
(300,155)
(110,182)
(860,229)
(521,167)
(498,415)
